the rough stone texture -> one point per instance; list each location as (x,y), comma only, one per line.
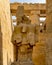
(39,54)
(1,58)
(24,37)
(34,17)
(5,20)
(33,11)
(29,7)
(49,32)
(39,51)
(7,47)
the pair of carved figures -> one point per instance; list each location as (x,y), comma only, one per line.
(24,37)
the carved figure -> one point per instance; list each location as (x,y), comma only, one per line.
(24,38)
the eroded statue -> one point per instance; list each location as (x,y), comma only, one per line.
(24,37)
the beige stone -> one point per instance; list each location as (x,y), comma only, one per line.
(25,34)
(28,8)
(39,54)
(6,31)
(33,11)
(24,38)
(49,32)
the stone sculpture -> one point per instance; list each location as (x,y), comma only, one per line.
(24,38)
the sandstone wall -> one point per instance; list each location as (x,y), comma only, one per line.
(39,51)
(7,46)
(1,58)
(49,32)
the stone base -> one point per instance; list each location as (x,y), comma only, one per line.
(25,62)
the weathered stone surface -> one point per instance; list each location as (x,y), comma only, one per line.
(28,8)
(39,54)
(6,30)
(1,50)
(39,51)
(49,33)
(24,38)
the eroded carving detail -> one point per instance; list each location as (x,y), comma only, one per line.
(24,38)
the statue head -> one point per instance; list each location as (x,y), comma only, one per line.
(19,14)
(21,18)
